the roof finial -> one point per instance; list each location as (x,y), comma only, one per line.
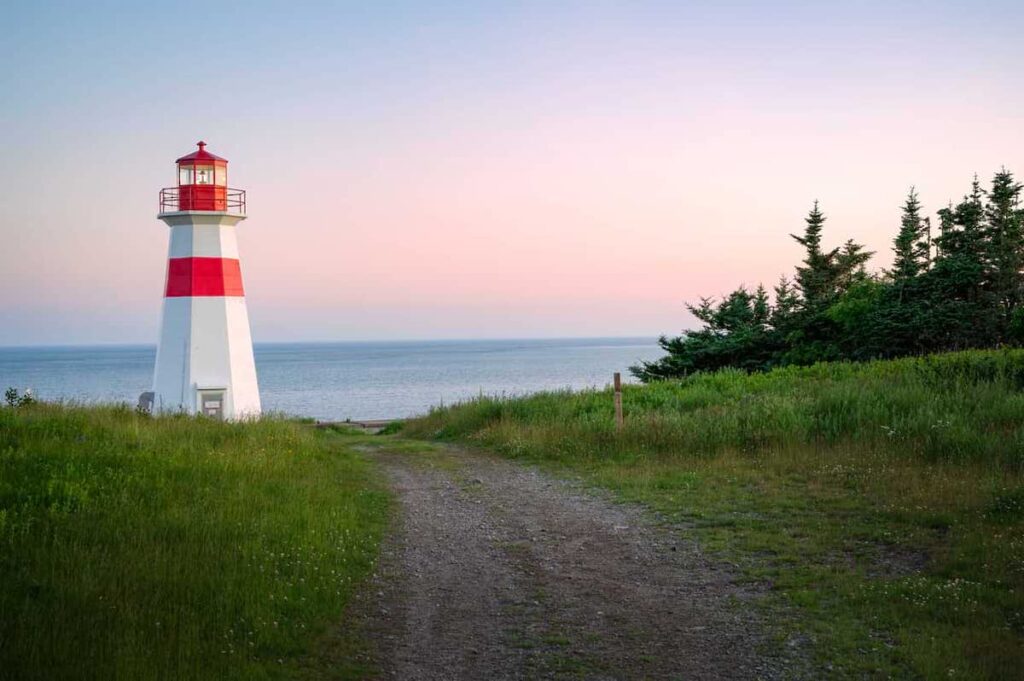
(201,144)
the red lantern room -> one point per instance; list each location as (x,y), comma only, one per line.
(202,185)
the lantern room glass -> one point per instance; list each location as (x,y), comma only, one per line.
(204,174)
(216,175)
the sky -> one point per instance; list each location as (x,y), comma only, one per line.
(481,169)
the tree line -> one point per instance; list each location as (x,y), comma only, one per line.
(956,286)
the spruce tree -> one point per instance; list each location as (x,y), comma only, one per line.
(761,308)
(1004,234)
(959,309)
(947,230)
(849,266)
(910,244)
(814,277)
(962,234)
(787,303)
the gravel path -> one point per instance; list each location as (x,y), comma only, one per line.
(496,571)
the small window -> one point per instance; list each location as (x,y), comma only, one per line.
(211,403)
(204,174)
(220,173)
(184,174)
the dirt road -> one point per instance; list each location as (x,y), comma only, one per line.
(496,571)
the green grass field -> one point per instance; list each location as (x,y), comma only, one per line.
(881,504)
(172,548)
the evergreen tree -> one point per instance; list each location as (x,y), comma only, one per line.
(961,308)
(849,266)
(814,277)
(1004,233)
(962,235)
(787,302)
(910,245)
(761,308)
(947,230)
(736,332)
(821,279)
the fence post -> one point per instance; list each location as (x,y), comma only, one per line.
(618,401)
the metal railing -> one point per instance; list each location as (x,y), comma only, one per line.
(202,197)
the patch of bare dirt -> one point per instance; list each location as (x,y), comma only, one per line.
(496,571)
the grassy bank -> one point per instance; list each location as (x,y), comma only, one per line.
(141,548)
(882,503)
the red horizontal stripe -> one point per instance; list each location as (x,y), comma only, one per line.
(203,277)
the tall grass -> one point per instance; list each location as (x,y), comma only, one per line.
(881,503)
(165,548)
(957,407)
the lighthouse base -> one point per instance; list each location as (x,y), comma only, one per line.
(204,363)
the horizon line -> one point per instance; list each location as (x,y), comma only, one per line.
(396,341)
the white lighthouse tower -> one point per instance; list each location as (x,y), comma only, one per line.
(204,363)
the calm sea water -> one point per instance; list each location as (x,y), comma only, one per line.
(335,381)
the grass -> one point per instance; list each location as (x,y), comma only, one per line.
(163,548)
(881,503)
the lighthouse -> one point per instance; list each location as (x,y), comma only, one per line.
(204,362)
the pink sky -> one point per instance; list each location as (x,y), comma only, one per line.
(467,173)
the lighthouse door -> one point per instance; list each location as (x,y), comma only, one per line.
(211,403)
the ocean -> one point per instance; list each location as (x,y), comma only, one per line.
(335,381)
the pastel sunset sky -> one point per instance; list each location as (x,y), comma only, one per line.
(480,169)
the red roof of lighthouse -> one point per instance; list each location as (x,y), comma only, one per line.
(201,155)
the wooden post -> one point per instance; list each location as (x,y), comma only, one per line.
(618,401)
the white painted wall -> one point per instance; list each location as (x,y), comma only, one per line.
(203,240)
(205,341)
